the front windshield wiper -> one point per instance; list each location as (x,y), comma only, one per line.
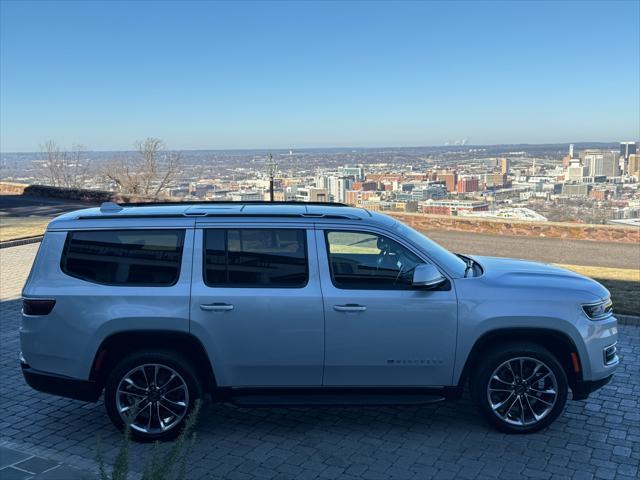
(468,262)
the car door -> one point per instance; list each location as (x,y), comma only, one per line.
(257,306)
(379,331)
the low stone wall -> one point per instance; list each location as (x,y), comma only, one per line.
(78,194)
(574,231)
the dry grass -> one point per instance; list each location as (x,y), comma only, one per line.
(623,283)
(12,229)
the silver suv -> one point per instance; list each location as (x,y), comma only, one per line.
(300,304)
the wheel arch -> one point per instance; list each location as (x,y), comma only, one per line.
(116,346)
(558,343)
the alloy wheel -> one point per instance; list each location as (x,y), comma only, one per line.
(152,398)
(522,391)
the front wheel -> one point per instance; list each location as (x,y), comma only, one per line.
(153,391)
(520,388)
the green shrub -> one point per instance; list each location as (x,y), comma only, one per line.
(167,462)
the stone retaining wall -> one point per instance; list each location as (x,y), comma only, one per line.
(79,194)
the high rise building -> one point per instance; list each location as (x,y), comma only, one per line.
(338,186)
(493,180)
(450,180)
(601,163)
(356,172)
(566,160)
(576,171)
(627,148)
(634,165)
(505,166)
(468,184)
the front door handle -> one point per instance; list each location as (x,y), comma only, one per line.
(349,307)
(216,307)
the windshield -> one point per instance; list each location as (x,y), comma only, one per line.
(454,264)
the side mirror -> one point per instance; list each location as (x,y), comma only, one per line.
(427,276)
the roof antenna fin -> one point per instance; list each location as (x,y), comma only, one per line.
(110,207)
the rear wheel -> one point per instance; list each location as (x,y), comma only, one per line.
(520,388)
(153,391)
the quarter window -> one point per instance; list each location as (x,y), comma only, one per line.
(367,261)
(124,257)
(261,257)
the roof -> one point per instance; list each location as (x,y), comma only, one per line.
(181,212)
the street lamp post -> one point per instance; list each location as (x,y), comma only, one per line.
(272,166)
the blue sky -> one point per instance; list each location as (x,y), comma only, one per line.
(302,74)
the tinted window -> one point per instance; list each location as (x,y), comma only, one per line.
(367,261)
(124,257)
(255,258)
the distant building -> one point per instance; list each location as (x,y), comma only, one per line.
(246,196)
(356,172)
(338,186)
(602,194)
(576,172)
(359,198)
(312,194)
(367,186)
(627,149)
(451,207)
(566,160)
(493,180)
(450,180)
(433,191)
(468,184)
(634,165)
(518,213)
(575,189)
(601,162)
(505,165)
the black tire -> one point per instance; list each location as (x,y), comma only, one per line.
(527,396)
(169,363)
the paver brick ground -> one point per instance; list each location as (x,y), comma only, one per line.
(596,438)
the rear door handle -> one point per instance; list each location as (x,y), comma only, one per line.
(350,307)
(216,307)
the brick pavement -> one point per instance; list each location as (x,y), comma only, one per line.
(597,438)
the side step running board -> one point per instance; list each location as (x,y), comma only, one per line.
(333,399)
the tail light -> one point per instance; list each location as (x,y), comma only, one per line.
(37,306)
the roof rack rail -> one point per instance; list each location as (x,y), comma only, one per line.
(220,202)
(331,216)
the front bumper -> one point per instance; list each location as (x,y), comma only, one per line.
(583,388)
(85,390)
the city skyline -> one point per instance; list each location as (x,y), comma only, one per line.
(280,75)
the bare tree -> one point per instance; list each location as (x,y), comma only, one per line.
(64,168)
(150,174)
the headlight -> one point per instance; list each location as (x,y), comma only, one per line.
(598,311)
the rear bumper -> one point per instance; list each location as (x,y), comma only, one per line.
(582,389)
(85,390)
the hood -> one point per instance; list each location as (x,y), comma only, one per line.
(536,275)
